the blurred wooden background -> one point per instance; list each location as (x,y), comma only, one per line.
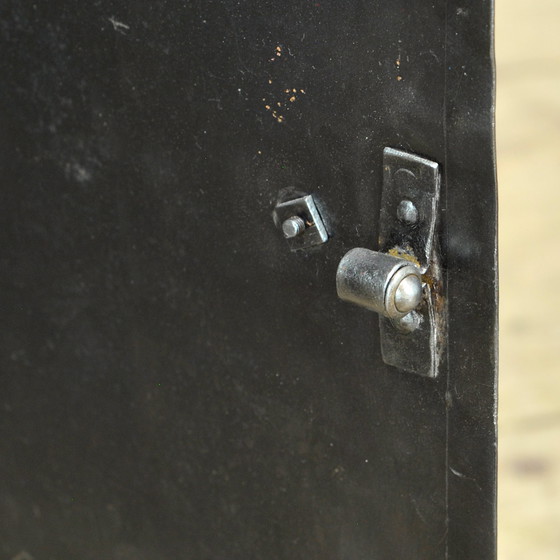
(528,142)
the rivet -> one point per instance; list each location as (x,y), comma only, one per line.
(407,212)
(409,323)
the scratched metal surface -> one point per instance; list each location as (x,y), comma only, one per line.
(175,382)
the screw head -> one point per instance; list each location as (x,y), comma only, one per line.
(408,294)
(407,212)
(293,227)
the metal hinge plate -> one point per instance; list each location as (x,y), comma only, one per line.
(408,219)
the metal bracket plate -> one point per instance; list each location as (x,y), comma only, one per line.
(304,207)
(408,178)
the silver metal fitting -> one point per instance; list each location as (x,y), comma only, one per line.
(300,222)
(412,318)
(292,227)
(389,285)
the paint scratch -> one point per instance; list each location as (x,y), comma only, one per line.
(119,26)
(465,477)
(457,473)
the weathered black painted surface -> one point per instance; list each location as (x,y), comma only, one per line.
(174,382)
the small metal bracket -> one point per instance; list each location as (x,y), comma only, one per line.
(408,219)
(289,215)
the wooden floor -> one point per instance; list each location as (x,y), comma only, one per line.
(528,141)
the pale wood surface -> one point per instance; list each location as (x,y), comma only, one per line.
(528,142)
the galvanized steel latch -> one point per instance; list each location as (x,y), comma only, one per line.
(402,281)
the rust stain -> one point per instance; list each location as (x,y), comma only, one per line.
(398,252)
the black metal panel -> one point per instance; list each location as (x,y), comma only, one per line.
(176,383)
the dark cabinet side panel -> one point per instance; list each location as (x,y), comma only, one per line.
(175,382)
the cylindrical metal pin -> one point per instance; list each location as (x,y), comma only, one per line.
(389,285)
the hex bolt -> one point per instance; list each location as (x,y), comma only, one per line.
(407,212)
(293,227)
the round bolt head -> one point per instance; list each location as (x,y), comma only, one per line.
(407,212)
(408,294)
(293,227)
(409,323)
